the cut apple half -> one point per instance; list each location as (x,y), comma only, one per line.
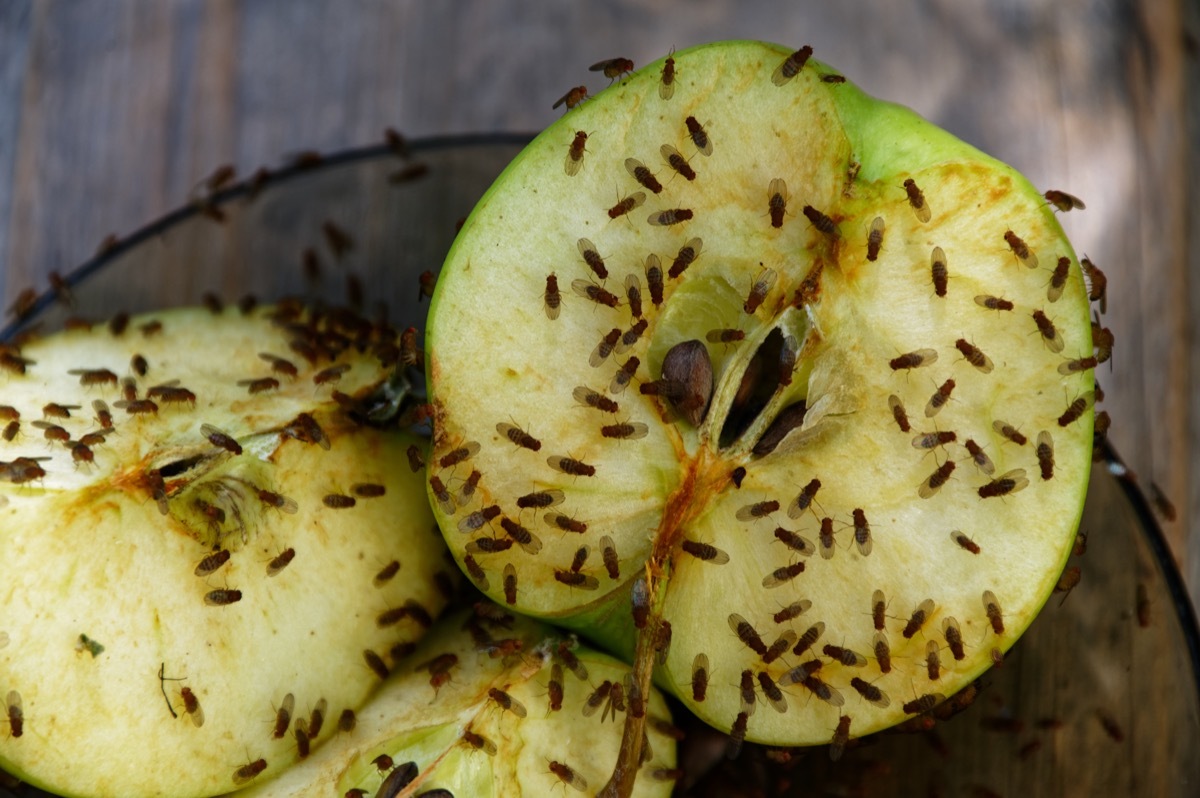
(771,371)
(197,531)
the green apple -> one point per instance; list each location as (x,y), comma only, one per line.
(788,368)
(489,705)
(197,530)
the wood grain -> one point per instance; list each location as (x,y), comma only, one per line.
(112,112)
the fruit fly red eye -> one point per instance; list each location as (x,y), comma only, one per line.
(89,377)
(575,152)
(605,348)
(991,606)
(11,429)
(862,532)
(260,385)
(777,198)
(595,293)
(553,299)
(820,221)
(1050,335)
(567,775)
(912,360)
(964,541)
(883,653)
(368,490)
(752,512)
(281,503)
(479,742)
(759,290)
(747,634)
(338,501)
(219,598)
(613,67)
(510,584)
(592,258)
(212,562)
(932,440)
(939,272)
(1010,482)
(699,136)
(16,714)
(939,399)
(1058,279)
(1063,201)
(899,413)
(283,717)
(479,576)
(919,616)
(519,436)
(654,279)
(1045,454)
(459,455)
(612,563)
(1098,282)
(571,466)
(809,638)
(626,205)
(791,66)
(974,355)
(643,175)
(825,538)
(979,457)
(870,692)
(677,162)
(248,772)
(1020,249)
(916,199)
(704,551)
(781,576)
(220,439)
(993,302)
(936,480)
(875,238)
(280,561)
(191,705)
(669,217)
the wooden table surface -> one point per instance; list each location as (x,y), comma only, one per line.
(111,111)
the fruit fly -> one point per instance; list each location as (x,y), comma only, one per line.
(613,67)
(918,618)
(916,199)
(666,87)
(973,355)
(612,563)
(1009,482)
(654,279)
(572,98)
(851,659)
(595,293)
(979,457)
(737,735)
(479,576)
(626,205)
(964,541)
(932,440)
(624,375)
(875,238)
(862,532)
(1098,282)
(218,598)
(899,413)
(777,197)
(575,152)
(283,717)
(883,652)
(1058,279)
(676,161)
(747,634)
(938,270)
(783,575)
(643,175)
(249,771)
(567,775)
(670,217)
(991,606)
(507,702)
(1010,432)
(759,289)
(923,703)
(338,501)
(1077,365)
(792,611)
(16,714)
(791,66)
(933,660)
(519,436)
(1020,249)
(915,359)
(459,455)
(260,384)
(1045,454)
(936,480)
(993,302)
(572,579)
(753,512)
(809,638)
(634,333)
(212,562)
(220,439)
(479,742)
(553,299)
(939,399)
(279,502)
(191,705)
(823,223)
(1050,335)
(633,293)
(699,136)
(788,352)
(89,377)
(587,250)
(794,541)
(870,692)
(510,584)
(1063,201)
